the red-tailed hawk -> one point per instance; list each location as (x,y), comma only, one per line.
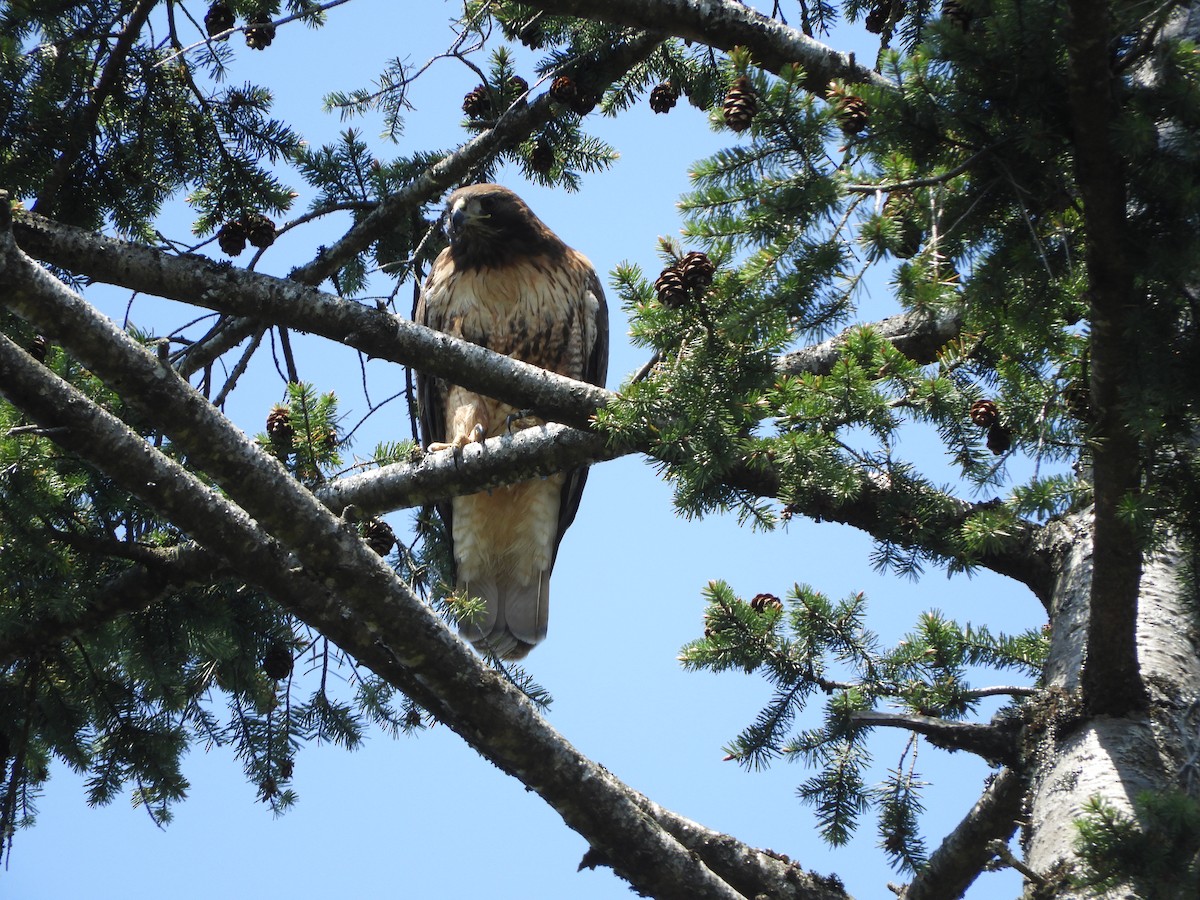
(508,283)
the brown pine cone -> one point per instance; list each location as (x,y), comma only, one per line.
(664,97)
(277,661)
(956,14)
(219,19)
(672,292)
(541,158)
(260,230)
(740,105)
(849,109)
(985,413)
(260,31)
(232,237)
(696,270)
(379,536)
(999,439)
(478,103)
(762,602)
(279,427)
(563,90)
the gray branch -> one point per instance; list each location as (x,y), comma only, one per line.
(726,24)
(996,743)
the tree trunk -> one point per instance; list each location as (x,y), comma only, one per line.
(1076,759)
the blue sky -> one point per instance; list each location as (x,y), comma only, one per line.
(425,816)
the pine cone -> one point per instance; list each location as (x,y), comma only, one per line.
(260,230)
(232,237)
(40,347)
(531,34)
(379,536)
(279,427)
(762,602)
(541,158)
(672,292)
(664,97)
(412,719)
(585,101)
(999,439)
(985,413)
(878,17)
(260,31)
(219,19)
(955,13)
(696,270)
(849,109)
(741,103)
(563,90)
(517,86)
(277,661)
(478,103)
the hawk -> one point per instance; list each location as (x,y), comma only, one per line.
(508,283)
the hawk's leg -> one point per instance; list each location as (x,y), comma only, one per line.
(468,423)
(516,416)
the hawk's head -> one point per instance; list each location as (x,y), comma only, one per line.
(488,225)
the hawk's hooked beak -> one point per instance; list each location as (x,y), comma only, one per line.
(462,214)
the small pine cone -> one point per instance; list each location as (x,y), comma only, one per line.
(40,347)
(286,768)
(672,292)
(232,237)
(762,602)
(412,719)
(985,413)
(563,90)
(219,19)
(956,14)
(478,103)
(584,103)
(849,109)
(517,86)
(531,34)
(999,439)
(277,661)
(1078,400)
(664,97)
(541,158)
(260,31)
(279,427)
(379,536)
(331,438)
(260,230)
(878,17)
(696,270)
(741,103)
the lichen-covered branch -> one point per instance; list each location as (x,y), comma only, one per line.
(726,24)
(995,743)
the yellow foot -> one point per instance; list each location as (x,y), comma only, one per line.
(474,436)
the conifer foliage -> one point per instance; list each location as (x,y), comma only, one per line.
(1022,174)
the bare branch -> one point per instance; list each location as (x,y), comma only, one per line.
(996,743)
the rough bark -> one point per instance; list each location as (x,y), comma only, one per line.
(726,24)
(1075,755)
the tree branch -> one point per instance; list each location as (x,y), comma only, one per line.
(361,604)
(996,743)
(1112,682)
(918,335)
(726,24)
(959,859)
(381,335)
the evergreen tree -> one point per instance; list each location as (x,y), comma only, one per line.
(1026,172)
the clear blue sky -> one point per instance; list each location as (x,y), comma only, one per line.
(425,816)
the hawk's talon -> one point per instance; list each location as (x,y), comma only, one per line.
(514,417)
(477,434)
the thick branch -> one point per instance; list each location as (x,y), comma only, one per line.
(726,24)
(363,606)
(1112,683)
(960,858)
(995,743)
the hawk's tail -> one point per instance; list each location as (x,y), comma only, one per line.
(514,617)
